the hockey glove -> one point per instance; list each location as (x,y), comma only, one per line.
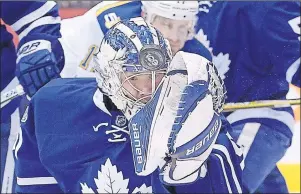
(38,62)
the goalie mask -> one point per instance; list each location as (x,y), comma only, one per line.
(131,62)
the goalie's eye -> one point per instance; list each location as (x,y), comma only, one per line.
(134,78)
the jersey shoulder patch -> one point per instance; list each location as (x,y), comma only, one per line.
(112,12)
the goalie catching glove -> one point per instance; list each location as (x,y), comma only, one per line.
(177,128)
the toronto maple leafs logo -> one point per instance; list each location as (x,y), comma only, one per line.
(221,61)
(204,6)
(109,180)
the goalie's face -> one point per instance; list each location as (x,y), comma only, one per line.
(141,86)
(175,31)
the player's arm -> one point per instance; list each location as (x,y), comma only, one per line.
(40,55)
(8,58)
(68,158)
(195,46)
(280,35)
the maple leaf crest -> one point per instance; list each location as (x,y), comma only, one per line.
(221,61)
(85,188)
(109,180)
(143,189)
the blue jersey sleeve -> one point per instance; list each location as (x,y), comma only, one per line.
(72,143)
(8,57)
(65,143)
(67,134)
(280,35)
(39,19)
(194,46)
(7,73)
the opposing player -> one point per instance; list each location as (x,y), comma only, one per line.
(175,19)
(75,135)
(256,47)
(29,19)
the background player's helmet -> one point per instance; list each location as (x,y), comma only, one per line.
(130,46)
(177,10)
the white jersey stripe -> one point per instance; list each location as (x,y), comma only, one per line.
(247,136)
(292,70)
(8,176)
(224,150)
(36,181)
(33,15)
(225,173)
(40,22)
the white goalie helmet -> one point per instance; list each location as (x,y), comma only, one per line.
(130,47)
(176,10)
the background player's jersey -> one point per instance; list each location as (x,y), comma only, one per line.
(32,19)
(256,54)
(75,140)
(29,19)
(9,123)
(82,35)
(8,67)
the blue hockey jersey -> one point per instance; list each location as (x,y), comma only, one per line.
(37,18)
(74,140)
(9,121)
(29,19)
(8,67)
(256,48)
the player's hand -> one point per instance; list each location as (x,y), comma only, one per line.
(38,62)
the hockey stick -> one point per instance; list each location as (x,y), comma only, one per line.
(10,95)
(18,91)
(261,104)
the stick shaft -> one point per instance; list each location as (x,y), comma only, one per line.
(10,95)
(261,104)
